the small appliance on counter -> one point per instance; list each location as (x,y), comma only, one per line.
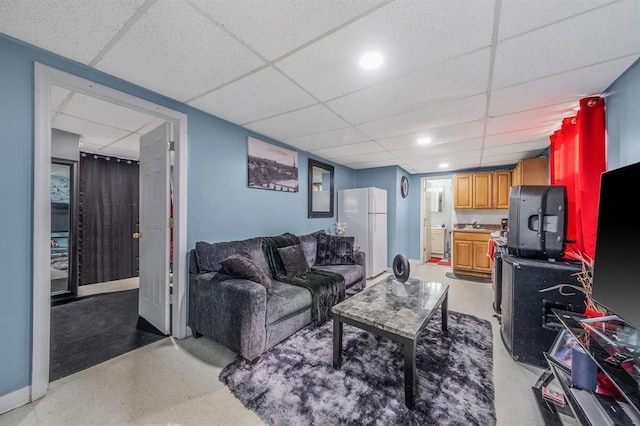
(504,223)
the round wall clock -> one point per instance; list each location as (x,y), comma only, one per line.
(404,186)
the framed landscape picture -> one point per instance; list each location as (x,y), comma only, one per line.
(271,167)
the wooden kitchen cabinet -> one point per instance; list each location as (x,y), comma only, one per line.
(470,253)
(463,191)
(501,189)
(531,171)
(486,190)
(482,190)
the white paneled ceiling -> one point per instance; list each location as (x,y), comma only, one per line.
(488,81)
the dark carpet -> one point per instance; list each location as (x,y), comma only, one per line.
(468,278)
(94,329)
(295,383)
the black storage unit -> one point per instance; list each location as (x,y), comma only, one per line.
(537,221)
(528,325)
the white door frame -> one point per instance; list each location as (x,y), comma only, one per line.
(425,216)
(44,77)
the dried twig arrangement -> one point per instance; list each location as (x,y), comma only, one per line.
(585,278)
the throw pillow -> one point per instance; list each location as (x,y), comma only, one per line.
(240,265)
(334,250)
(293,260)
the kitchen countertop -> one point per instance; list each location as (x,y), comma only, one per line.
(481,229)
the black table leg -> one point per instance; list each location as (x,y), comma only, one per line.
(445,313)
(337,342)
(409,373)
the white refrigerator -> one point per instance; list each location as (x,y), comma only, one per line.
(364,210)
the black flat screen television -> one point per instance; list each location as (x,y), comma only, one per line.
(616,267)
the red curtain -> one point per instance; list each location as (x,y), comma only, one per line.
(577,159)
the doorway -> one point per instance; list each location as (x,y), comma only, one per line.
(45,78)
(436,206)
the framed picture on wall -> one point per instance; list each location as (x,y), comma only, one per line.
(271,167)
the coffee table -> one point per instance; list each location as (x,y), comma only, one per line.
(396,311)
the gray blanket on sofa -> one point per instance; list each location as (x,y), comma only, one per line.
(327,288)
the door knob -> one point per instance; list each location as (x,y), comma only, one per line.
(137,235)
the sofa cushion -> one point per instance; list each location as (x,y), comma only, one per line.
(209,255)
(309,243)
(285,300)
(293,260)
(334,250)
(270,246)
(351,273)
(240,265)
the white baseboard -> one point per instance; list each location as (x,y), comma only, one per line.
(14,399)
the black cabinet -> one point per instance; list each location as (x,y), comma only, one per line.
(528,326)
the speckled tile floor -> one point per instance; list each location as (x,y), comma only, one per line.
(175,381)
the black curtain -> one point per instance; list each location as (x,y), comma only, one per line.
(108,217)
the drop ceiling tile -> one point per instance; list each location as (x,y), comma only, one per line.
(90,133)
(306,121)
(440,135)
(176,51)
(130,143)
(433,165)
(339,137)
(537,145)
(260,24)
(517,17)
(99,111)
(521,136)
(329,67)
(348,150)
(73,29)
(455,79)
(260,95)
(566,87)
(461,148)
(604,34)
(367,158)
(432,116)
(507,159)
(539,117)
(372,164)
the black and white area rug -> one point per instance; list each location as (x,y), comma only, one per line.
(295,383)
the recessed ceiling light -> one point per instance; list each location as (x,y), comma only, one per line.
(424,141)
(443,165)
(371,60)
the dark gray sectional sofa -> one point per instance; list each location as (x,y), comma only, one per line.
(244,315)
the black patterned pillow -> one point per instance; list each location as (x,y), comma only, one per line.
(241,265)
(294,261)
(334,250)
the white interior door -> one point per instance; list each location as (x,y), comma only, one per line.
(153,234)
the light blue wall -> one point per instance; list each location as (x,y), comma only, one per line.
(622,100)
(220,207)
(398,208)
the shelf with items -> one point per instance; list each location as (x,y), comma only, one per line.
(616,399)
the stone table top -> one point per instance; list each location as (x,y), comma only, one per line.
(399,308)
